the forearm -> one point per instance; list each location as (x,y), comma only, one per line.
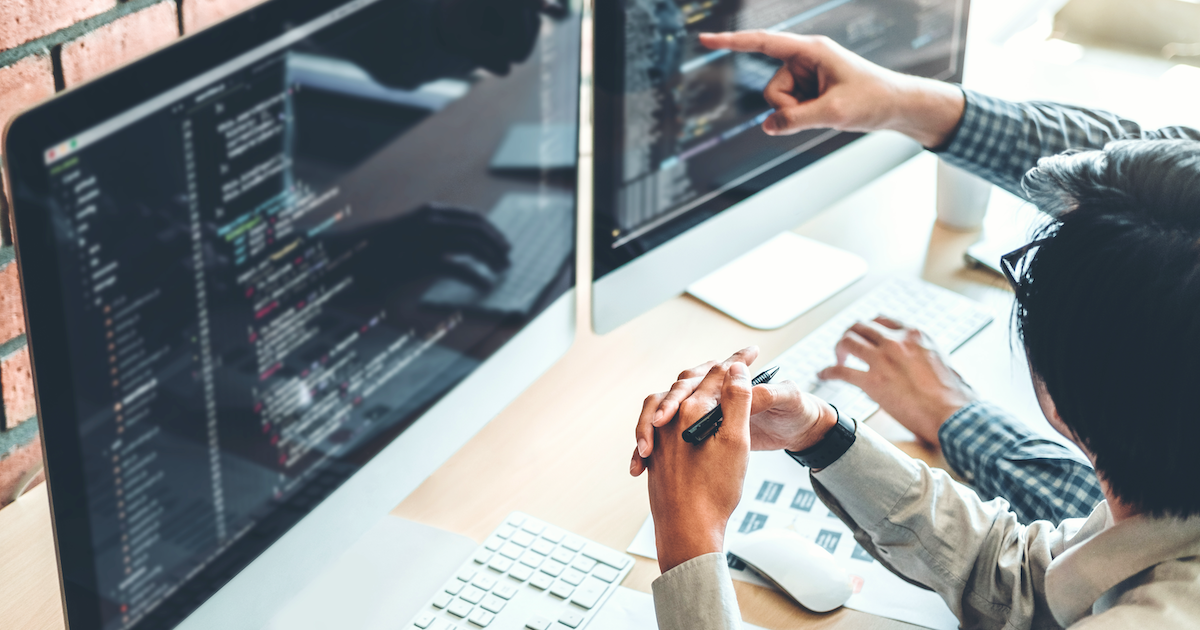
(937,533)
(1000,141)
(1000,457)
(926,110)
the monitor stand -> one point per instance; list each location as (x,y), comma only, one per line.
(779,280)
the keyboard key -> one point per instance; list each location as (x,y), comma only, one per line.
(505,531)
(454,586)
(532,559)
(515,519)
(584,563)
(472,594)
(538,623)
(459,608)
(561,589)
(424,621)
(485,582)
(607,556)
(541,581)
(553,568)
(441,600)
(589,593)
(466,574)
(543,547)
(506,591)
(493,543)
(491,603)
(572,577)
(511,551)
(482,556)
(571,618)
(520,572)
(533,526)
(523,538)
(564,556)
(553,534)
(606,573)
(500,564)
(574,543)
(481,617)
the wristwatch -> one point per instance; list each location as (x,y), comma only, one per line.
(836,442)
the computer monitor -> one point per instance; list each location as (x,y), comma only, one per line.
(685,179)
(274,277)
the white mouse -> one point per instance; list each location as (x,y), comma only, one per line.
(806,572)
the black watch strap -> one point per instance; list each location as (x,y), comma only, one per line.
(835,443)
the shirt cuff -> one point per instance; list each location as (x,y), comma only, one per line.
(869,478)
(697,595)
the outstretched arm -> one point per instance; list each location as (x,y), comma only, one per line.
(823,85)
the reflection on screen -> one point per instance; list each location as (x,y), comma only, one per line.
(684,127)
(272,273)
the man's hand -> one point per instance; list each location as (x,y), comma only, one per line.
(908,377)
(822,85)
(695,487)
(782,417)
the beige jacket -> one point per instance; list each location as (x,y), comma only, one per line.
(993,572)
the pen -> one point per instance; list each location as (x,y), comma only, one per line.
(711,421)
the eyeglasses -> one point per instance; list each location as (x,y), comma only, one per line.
(1013,263)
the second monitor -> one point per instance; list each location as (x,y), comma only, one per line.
(685,178)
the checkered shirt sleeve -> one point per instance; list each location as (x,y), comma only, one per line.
(1000,140)
(1000,457)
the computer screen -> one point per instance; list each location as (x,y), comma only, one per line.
(678,135)
(272,269)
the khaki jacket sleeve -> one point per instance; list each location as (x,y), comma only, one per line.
(936,533)
(697,595)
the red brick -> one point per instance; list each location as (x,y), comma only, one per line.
(16,385)
(25,20)
(119,42)
(198,14)
(12,311)
(13,468)
(24,83)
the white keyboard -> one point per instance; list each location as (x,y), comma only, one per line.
(947,317)
(528,575)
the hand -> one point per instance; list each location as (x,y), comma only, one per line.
(695,487)
(429,240)
(781,415)
(822,85)
(908,377)
(493,33)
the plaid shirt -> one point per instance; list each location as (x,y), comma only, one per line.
(1001,457)
(1000,141)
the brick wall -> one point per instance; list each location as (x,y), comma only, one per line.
(47,46)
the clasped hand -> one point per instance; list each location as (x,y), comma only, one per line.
(694,488)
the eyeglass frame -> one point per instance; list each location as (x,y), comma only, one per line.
(1009,261)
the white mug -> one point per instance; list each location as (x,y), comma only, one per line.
(962,198)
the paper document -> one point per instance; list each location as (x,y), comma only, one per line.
(628,609)
(778,494)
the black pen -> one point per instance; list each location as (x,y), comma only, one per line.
(711,421)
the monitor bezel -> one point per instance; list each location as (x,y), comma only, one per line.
(27,136)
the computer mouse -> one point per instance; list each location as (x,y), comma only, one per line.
(806,572)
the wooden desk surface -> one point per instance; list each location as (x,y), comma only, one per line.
(561,450)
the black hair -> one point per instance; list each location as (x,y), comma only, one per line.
(1108,309)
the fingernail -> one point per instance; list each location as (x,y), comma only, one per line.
(657,416)
(632,466)
(643,447)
